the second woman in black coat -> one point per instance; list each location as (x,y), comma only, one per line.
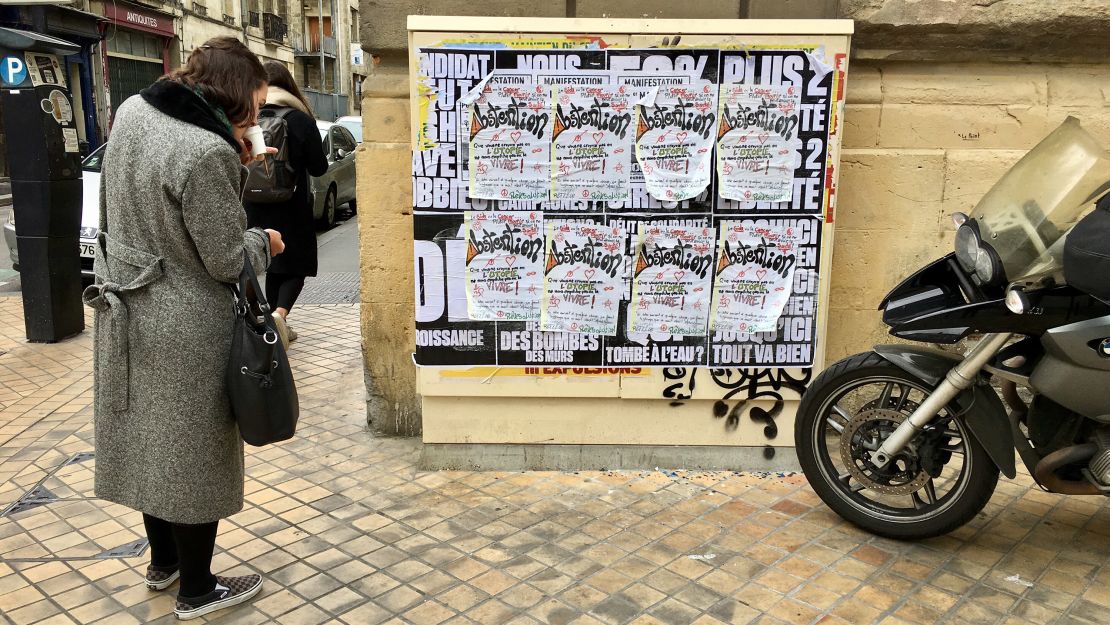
(293,218)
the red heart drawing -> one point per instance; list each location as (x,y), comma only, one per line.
(759,274)
(510,260)
(515,135)
(678,275)
(763,138)
(590,273)
(598,136)
(682,135)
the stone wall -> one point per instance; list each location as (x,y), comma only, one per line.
(942,97)
(923,140)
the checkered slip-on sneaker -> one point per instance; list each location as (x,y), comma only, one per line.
(229,591)
(161,578)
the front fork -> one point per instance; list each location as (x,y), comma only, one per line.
(958,379)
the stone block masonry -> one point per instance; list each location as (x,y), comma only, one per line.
(942,98)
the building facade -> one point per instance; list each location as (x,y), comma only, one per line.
(942,98)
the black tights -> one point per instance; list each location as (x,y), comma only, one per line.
(188,546)
(282,290)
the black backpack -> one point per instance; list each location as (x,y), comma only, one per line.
(272,180)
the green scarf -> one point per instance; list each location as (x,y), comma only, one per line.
(218,111)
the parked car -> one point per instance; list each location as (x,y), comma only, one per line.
(333,189)
(352,123)
(90,198)
(337,186)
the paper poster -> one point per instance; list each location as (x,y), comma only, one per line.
(45,69)
(755,276)
(504,264)
(592,143)
(674,139)
(71,142)
(583,277)
(672,280)
(510,143)
(758,142)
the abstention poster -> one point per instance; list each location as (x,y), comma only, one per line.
(484,297)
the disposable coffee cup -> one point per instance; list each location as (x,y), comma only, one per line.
(257,140)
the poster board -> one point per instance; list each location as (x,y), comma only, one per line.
(742,387)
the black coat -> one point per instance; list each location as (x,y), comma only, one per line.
(293,218)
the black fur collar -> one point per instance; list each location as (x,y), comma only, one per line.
(181,102)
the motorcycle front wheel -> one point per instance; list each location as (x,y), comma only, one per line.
(940,481)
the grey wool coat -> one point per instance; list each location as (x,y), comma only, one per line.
(173,234)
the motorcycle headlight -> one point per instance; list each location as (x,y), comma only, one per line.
(967,246)
(976,257)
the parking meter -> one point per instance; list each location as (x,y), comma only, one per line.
(45,166)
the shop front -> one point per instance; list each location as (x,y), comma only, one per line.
(136,50)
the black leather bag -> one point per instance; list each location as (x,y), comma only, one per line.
(259,380)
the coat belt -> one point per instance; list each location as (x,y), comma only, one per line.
(108,298)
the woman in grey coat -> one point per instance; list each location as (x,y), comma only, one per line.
(172,238)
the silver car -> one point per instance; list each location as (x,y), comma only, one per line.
(337,186)
(90,215)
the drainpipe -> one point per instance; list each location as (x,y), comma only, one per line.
(335,62)
(320,27)
(245,19)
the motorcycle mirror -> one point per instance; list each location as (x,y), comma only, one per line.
(959,219)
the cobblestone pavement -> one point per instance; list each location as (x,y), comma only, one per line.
(346,529)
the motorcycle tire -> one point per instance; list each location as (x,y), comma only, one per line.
(977,487)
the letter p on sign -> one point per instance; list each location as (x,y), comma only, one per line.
(13,71)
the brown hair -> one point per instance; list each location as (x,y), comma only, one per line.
(227,74)
(278,76)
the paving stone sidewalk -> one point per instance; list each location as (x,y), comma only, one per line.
(347,529)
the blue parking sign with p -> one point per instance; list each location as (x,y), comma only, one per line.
(13,71)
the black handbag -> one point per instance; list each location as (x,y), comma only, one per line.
(259,380)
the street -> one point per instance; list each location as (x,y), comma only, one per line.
(337,282)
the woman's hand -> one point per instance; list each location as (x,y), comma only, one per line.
(277,246)
(245,156)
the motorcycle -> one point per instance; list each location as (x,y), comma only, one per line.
(908,442)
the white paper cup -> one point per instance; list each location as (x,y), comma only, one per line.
(256,139)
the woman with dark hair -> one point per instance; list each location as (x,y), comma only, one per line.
(293,217)
(173,236)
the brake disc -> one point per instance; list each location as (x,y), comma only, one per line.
(864,433)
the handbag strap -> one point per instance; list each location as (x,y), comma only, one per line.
(248,279)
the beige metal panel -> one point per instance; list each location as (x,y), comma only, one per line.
(516,382)
(674,406)
(742,38)
(593,421)
(703,383)
(605,26)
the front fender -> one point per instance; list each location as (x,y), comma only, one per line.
(982,410)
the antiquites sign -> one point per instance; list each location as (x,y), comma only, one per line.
(615,208)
